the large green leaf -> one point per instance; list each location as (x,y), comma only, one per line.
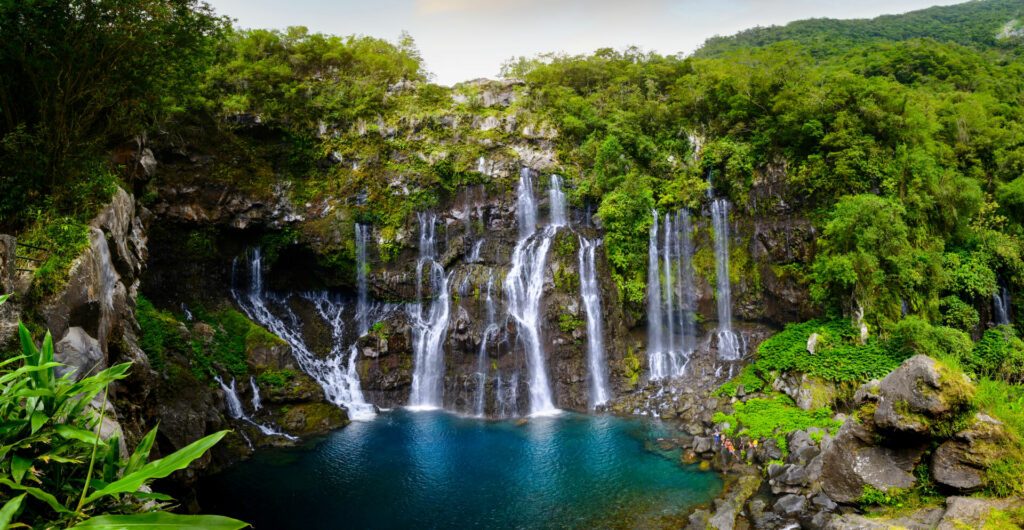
(37,493)
(10,508)
(19,466)
(4,298)
(164,520)
(70,432)
(180,459)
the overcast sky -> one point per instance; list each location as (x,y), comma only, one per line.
(466,39)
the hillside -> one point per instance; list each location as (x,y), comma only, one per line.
(979,23)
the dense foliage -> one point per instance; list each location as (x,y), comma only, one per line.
(59,466)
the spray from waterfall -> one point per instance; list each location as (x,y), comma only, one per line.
(334,373)
(524,287)
(591,294)
(430,326)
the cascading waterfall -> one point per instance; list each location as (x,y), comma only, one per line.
(655,347)
(1001,302)
(490,329)
(257,402)
(728,343)
(236,411)
(429,328)
(591,294)
(671,296)
(688,292)
(524,287)
(362,288)
(556,201)
(338,378)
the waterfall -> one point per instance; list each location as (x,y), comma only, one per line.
(728,343)
(1001,301)
(257,403)
(526,205)
(599,393)
(670,310)
(655,320)
(474,251)
(556,201)
(507,395)
(671,295)
(339,379)
(688,291)
(524,286)
(490,329)
(429,328)
(362,289)
(236,411)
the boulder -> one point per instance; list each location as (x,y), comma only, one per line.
(924,519)
(790,506)
(970,512)
(960,462)
(732,502)
(919,394)
(702,444)
(808,392)
(853,461)
(79,354)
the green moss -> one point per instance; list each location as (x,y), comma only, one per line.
(749,378)
(276,378)
(58,241)
(774,417)
(160,333)
(631,366)
(566,281)
(569,323)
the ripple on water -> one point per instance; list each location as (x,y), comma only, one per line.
(436,470)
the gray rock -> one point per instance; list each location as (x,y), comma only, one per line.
(853,461)
(767,451)
(960,462)
(917,393)
(790,506)
(970,512)
(702,444)
(924,519)
(822,501)
(79,354)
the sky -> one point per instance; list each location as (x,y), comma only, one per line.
(467,39)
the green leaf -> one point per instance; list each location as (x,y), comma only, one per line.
(12,506)
(38,419)
(169,521)
(19,466)
(37,493)
(4,298)
(180,459)
(28,348)
(141,454)
(70,432)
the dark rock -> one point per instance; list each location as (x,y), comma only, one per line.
(790,506)
(853,460)
(731,504)
(767,451)
(702,444)
(822,501)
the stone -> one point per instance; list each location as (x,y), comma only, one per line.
(79,354)
(960,462)
(790,506)
(767,451)
(702,444)
(853,461)
(970,512)
(923,519)
(921,392)
(822,501)
(812,343)
(732,502)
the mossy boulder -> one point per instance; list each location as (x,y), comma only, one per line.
(923,396)
(960,463)
(306,419)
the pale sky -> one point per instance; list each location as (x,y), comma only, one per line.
(467,39)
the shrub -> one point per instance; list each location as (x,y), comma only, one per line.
(998,355)
(56,469)
(774,417)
